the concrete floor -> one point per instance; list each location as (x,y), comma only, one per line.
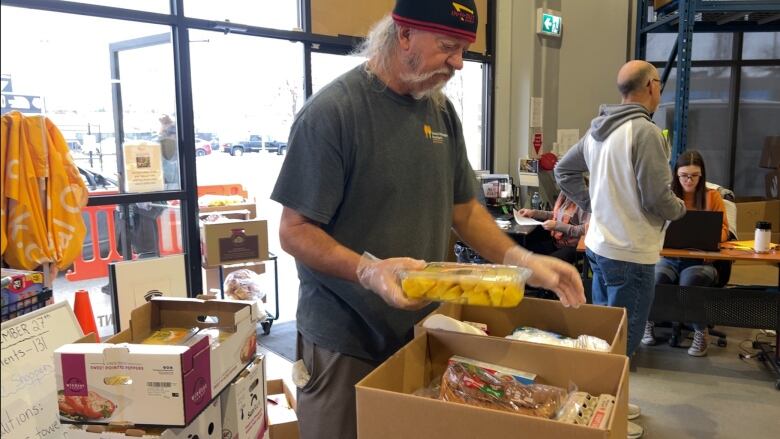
(717,396)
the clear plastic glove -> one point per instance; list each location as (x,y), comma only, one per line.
(549,273)
(381,277)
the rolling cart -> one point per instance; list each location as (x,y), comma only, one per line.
(269,321)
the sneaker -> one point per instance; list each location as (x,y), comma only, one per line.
(635,431)
(633,411)
(700,344)
(649,338)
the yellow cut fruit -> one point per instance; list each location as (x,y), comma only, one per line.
(475,298)
(513,294)
(496,295)
(437,291)
(452,294)
(468,284)
(416,287)
(481,287)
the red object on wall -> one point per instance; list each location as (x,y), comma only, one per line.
(537,142)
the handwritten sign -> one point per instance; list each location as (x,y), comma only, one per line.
(29,391)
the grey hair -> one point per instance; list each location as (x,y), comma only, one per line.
(636,81)
(380,47)
(380,44)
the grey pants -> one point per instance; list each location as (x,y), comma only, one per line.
(326,404)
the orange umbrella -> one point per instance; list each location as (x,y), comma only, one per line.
(39,168)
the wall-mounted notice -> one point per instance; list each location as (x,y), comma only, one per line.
(29,391)
(537,113)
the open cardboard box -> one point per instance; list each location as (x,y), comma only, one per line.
(604,322)
(166,385)
(243,404)
(386,408)
(282,420)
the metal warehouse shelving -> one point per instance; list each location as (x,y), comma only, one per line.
(687,17)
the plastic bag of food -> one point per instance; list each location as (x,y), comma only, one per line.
(468,284)
(472,382)
(535,335)
(243,284)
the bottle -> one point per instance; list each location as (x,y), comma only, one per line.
(536,201)
(763,234)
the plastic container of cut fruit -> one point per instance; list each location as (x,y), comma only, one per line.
(500,286)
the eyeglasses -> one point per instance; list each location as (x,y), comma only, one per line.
(689,177)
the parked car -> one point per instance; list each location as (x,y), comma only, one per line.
(238,148)
(276,146)
(97,184)
(202,147)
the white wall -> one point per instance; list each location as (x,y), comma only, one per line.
(573,74)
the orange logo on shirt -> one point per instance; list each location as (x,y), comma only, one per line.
(427,130)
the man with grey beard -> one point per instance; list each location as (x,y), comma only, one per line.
(377,165)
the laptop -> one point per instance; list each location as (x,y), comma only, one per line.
(698,229)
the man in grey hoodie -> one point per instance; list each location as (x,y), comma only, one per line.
(629,195)
(629,199)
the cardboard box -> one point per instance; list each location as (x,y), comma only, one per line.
(251,208)
(282,421)
(751,210)
(208,425)
(243,404)
(233,242)
(166,385)
(604,322)
(387,409)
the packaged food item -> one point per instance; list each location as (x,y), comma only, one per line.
(468,381)
(470,284)
(170,336)
(243,284)
(440,321)
(582,408)
(534,335)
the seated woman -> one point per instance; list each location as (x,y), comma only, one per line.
(566,223)
(689,185)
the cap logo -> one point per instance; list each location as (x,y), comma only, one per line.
(462,13)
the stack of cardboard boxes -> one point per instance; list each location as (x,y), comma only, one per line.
(237,240)
(210,384)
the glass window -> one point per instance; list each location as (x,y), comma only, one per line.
(246,104)
(716,46)
(465,91)
(160,6)
(326,67)
(148,229)
(759,113)
(761,45)
(708,118)
(65,63)
(279,14)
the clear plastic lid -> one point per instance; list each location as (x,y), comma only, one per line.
(469,284)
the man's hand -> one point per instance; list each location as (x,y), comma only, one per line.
(381,277)
(528,213)
(549,273)
(549,224)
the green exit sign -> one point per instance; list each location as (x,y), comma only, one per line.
(548,22)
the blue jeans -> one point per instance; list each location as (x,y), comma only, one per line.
(624,284)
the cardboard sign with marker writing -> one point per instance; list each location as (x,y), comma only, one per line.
(29,392)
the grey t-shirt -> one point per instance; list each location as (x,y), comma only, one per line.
(380,172)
